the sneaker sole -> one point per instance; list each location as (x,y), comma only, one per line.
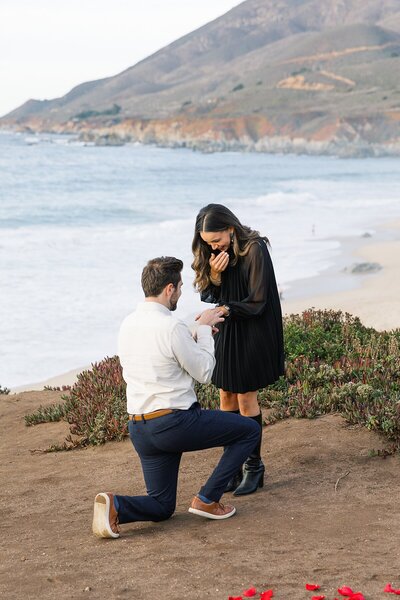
(207,515)
(101,526)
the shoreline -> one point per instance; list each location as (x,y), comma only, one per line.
(205,136)
(337,277)
(67,378)
(373,297)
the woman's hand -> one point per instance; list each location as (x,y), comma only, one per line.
(218,264)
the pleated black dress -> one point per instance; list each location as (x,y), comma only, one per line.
(249,346)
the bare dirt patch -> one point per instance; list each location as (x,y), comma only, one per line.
(297,529)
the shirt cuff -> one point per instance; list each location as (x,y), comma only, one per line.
(203,331)
(195,327)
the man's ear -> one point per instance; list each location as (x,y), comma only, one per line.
(169,289)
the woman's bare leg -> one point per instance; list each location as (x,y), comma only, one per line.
(248,404)
(228,400)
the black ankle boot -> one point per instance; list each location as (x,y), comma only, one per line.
(253,468)
(234,482)
(253,477)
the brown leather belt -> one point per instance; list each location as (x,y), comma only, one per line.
(151,415)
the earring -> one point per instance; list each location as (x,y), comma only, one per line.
(232,236)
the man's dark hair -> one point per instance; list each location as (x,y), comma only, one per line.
(159,272)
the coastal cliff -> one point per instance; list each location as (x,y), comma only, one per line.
(357,137)
(294,76)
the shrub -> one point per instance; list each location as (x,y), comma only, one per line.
(95,408)
(87,114)
(52,388)
(334,364)
(4,390)
(207,395)
(114,110)
(300,71)
(96,405)
(46,414)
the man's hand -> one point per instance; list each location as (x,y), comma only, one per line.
(211,317)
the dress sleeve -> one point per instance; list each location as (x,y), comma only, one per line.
(258,267)
(211,294)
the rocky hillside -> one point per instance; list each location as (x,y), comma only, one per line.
(270,75)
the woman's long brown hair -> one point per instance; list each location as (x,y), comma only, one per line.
(216,217)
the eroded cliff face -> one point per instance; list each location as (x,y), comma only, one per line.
(300,133)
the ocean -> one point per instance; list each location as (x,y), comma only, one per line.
(78,223)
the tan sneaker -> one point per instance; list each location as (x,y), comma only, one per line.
(214,510)
(105,517)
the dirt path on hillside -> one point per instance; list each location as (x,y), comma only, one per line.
(297,529)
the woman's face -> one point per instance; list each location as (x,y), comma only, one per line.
(217,240)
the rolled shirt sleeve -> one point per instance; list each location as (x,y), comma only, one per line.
(196,358)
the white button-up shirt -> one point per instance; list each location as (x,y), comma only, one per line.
(160,359)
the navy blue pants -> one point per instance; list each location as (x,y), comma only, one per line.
(160,444)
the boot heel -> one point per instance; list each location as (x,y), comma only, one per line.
(252,480)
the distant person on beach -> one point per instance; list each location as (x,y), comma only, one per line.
(160,358)
(233,269)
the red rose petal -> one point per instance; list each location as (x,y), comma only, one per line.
(312,587)
(345,591)
(390,590)
(235,598)
(357,596)
(318,598)
(250,592)
(266,595)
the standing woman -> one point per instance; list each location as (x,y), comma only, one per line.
(233,269)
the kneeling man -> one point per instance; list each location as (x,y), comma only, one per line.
(160,360)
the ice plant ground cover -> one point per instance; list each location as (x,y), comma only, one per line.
(333,364)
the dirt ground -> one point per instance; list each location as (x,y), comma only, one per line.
(297,529)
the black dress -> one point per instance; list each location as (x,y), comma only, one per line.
(249,346)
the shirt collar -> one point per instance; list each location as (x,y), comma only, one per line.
(153,307)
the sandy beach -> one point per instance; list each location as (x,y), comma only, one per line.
(374,298)
(57,381)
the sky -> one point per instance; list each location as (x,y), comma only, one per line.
(49,46)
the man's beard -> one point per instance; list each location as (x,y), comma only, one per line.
(173,303)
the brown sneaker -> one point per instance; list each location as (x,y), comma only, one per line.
(105,517)
(215,510)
